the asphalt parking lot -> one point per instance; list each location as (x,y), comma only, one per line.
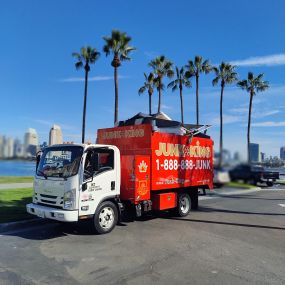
(232,239)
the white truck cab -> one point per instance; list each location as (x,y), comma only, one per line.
(78,181)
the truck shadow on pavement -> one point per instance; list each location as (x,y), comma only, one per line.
(52,229)
(208,209)
(225,223)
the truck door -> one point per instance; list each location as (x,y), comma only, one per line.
(99,179)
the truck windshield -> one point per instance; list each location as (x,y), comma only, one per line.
(62,161)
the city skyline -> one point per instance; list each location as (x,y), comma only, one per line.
(17,148)
(53,89)
(11,147)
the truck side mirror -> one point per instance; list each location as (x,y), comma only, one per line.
(84,185)
(39,154)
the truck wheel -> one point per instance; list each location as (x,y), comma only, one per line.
(194,199)
(183,205)
(105,218)
(269,183)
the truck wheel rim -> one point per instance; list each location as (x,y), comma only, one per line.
(184,205)
(106,218)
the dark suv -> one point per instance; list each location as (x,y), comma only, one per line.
(253,174)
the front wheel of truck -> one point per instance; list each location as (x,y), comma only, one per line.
(106,217)
(183,205)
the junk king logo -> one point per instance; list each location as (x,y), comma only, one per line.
(142,167)
(181,150)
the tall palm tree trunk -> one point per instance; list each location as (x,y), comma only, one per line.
(159,95)
(84,106)
(248,128)
(149,102)
(181,105)
(116,94)
(197,99)
(221,126)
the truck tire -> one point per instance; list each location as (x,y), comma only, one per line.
(194,199)
(269,183)
(105,218)
(183,205)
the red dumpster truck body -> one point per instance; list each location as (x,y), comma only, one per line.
(157,167)
(131,170)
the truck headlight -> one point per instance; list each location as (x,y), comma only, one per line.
(69,199)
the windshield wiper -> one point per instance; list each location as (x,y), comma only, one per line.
(42,173)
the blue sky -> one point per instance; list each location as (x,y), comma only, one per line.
(39,85)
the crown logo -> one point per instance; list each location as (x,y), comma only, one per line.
(142,166)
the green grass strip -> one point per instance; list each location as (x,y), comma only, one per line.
(240,185)
(16,179)
(13,204)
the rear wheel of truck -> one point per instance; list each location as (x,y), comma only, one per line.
(106,217)
(183,205)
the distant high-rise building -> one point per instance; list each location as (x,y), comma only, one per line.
(262,156)
(18,148)
(254,152)
(1,146)
(10,147)
(55,135)
(31,142)
(237,157)
(282,153)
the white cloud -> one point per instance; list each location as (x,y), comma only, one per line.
(94,78)
(166,107)
(267,60)
(50,124)
(240,110)
(263,114)
(227,119)
(163,107)
(269,124)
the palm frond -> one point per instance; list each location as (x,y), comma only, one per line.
(216,81)
(142,90)
(118,44)
(78,65)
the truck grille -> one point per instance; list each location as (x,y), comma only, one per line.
(51,200)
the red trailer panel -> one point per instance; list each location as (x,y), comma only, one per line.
(135,182)
(175,161)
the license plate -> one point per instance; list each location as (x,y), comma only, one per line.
(41,214)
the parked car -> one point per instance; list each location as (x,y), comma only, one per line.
(221,177)
(253,174)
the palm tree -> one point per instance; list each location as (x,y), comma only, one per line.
(195,68)
(182,79)
(225,74)
(149,84)
(161,67)
(85,57)
(252,85)
(118,45)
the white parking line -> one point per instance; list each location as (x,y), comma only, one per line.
(282,205)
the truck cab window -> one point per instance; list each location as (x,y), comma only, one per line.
(98,161)
(90,164)
(105,160)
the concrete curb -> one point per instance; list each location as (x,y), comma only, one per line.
(5,227)
(237,191)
